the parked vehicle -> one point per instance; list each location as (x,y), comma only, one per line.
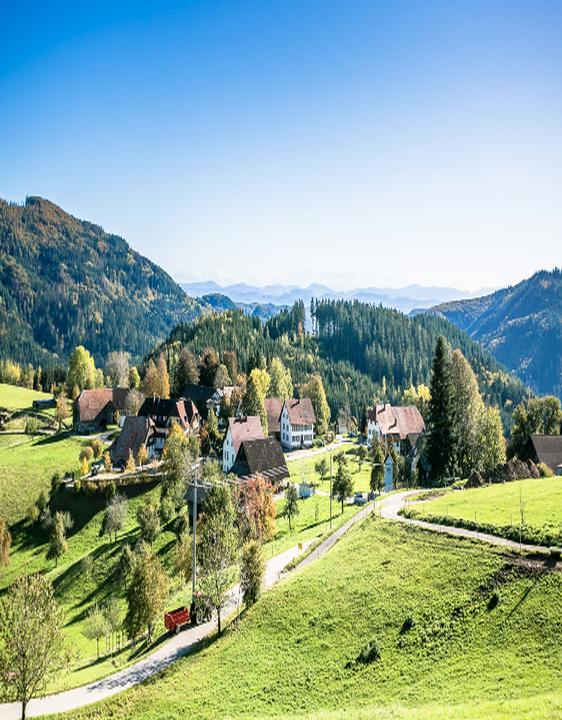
(176,619)
(359,499)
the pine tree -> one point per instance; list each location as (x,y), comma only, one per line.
(185,372)
(440,449)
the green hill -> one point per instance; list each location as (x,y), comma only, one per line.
(521,326)
(65,282)
(393,622)
(362,351)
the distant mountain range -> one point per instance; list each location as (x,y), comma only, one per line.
(404,299)
(521,326)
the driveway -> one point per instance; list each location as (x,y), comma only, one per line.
(312,452)
(391,505)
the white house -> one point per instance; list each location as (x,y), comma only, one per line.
(297,423)
(398,425)
(246,427)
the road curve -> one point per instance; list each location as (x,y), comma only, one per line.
(391,505)
(173,649)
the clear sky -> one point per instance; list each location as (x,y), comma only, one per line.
(350,143)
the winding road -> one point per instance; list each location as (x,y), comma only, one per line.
(391,505)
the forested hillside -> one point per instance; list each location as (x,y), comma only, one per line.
(362,351)
(521,326)
(65,282)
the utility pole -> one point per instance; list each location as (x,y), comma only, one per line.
(194,544)
(330,489)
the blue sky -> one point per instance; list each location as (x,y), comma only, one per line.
(350,143)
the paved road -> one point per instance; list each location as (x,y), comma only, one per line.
(170,651)
(389,507)
(312,452)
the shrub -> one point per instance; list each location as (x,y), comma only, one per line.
(493,601)
(370,653)
(534,472)
(97,447)
(32,425)
(407,625)
(544,470)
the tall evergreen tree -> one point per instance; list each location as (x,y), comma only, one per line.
(185,372)
(440,443)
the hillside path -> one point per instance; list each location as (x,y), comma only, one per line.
(391,505)
(174,648)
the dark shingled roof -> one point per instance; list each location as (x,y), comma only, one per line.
(545,449)
(182,409)
(301,411)
(90,403)
(261,457)
(273,408)
(135,432)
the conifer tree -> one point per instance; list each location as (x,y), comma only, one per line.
(440,450)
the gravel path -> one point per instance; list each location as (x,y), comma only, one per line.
(390,506)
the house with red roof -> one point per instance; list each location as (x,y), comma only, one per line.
(297,423)
(240,429)
(97,408)
(401,425)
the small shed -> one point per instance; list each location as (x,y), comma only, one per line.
(388,473)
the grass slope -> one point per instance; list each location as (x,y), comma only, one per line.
(27,465)
(19,398)
(294,654)
(303,469)
(497,508)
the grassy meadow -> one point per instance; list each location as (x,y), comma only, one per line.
(536,504)
(394,622)
(302,469)
(19,398)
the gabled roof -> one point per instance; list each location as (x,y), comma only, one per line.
(199,393)
(547,449)
(135,432)
(273,408)
(300,411)
(90,403)
(261,457)
(397,420)
(183,410)
(247,427)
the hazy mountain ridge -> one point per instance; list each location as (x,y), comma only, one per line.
(65,281)
(404,299)
(521,325)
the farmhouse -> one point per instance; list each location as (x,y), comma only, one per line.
(240,429)
(137,431)
(297,423)
(261,457)
(208,398)
(273,408)
(95,409)
(164,412)
(545,449)
(401,425)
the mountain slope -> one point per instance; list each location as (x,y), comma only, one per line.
(65,282)
(521,326)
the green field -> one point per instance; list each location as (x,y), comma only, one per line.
(27,465)
(18,398)
(302,470)
(461,630)
(498,509)
(77,593)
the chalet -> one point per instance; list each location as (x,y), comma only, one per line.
(400,425)
(240,429)
(297,423)
(207,398)
(261,457)
(545,449)
(164,412)
(273,408)
(95,409)
(137,431)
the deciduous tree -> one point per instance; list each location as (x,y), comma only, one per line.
(81,369)
(148,518)
(252,571)
(31,639)
(342,486)
(281,383)
(291,509)
(255,509)
(95,626)
(185,371)
(115,516)
(117,369)
(314,389)
(147,592)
